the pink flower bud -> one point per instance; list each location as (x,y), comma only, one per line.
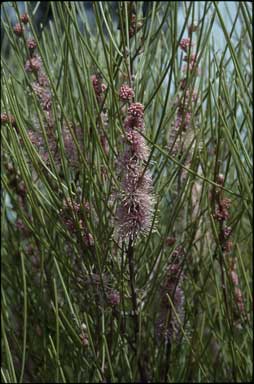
(24,18)
(33,64)
(18,30)
(185,44)
(234,277)
(193,28)
(192,58)
(126,93)
(136,110)
(31,44)
(113,298)
(220,179)
(8,119)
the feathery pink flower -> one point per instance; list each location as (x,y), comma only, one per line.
(135,208)
(113,298)
(134,214)
(183,120)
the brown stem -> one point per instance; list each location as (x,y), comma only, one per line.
(130,255)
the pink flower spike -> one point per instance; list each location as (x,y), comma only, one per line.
(98,86)
(185,44)
(24,18)
(192,58)
(31,44)
(136,110)
(138,145)
(134,215)
(103,87)
(167,323)
(18,30)
(133,122)
(126,93)
(183,120)
(33,64)
(113,298)
(191,67)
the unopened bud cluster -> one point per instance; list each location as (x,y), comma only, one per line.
(187,99)
(7,118)
(102,121)
(134,24)
(98,86)
(18,28)
(126,93)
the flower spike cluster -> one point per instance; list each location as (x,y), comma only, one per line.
(222,215)
(186,101)
(135,210)
(42,90)
(167,324)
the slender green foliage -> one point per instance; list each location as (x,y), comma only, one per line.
(80,303)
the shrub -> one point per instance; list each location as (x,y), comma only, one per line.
(127,192)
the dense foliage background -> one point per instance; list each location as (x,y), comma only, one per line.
(126,192)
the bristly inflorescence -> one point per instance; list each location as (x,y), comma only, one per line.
(135,210)
(98,86)
(102,119)
(222,215)
(134,23)
(71,215)
(188,98)
(170,317)
(7,118)
(41,88)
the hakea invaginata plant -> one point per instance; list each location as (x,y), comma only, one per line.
(135,210)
